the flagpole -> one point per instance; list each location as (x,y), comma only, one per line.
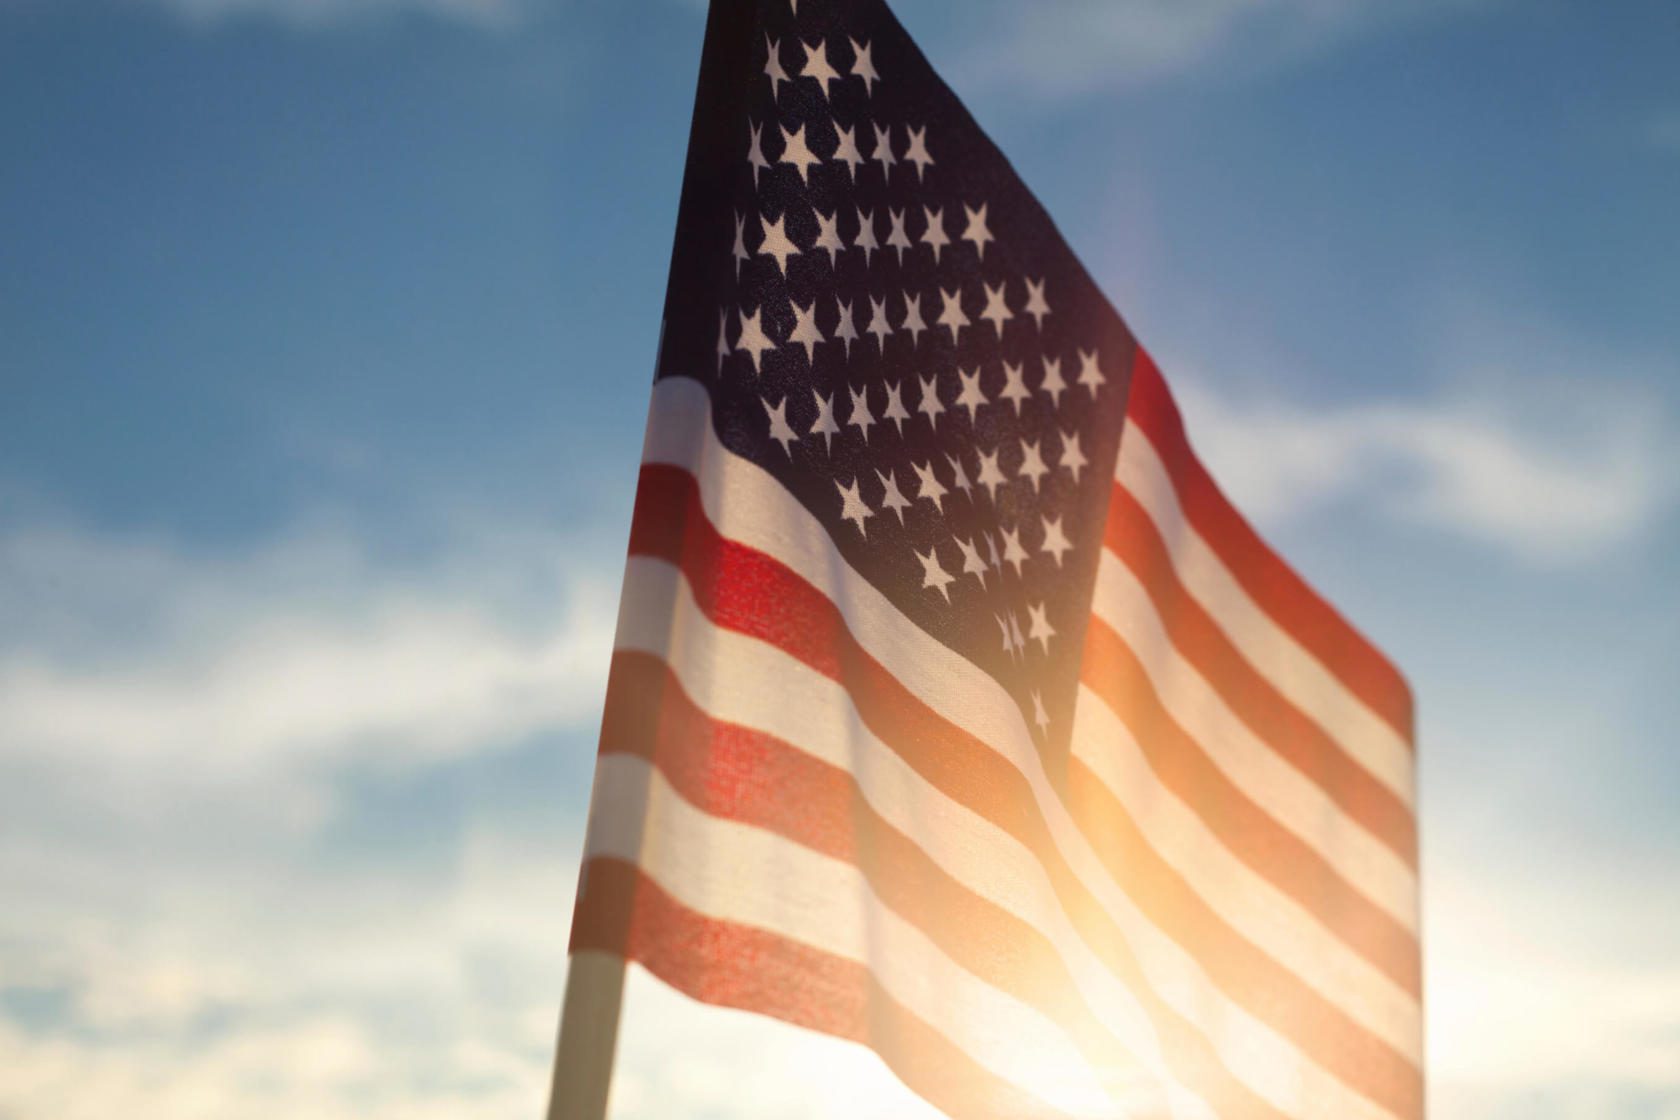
(589,1016)
(594,999)
(583,1060)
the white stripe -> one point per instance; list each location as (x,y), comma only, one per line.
(825,724)
(749,506)
(732,872)
(1282,792)
(1273,652)
(1274,922)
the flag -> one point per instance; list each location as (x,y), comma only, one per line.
(954,710)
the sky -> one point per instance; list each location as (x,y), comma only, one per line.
(326,333)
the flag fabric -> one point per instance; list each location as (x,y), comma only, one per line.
(953,709)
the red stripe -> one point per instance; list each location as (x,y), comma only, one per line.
(742,774)
(1271,583)
(622,911)
(742,589)
(1112,671)
(746,775)
(1136,540)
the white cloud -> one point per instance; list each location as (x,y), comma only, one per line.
(175,723)
(1544,998)
(173,729)
(336,994)
(1506,430)
(1461,465)
(315,14)
(263,671)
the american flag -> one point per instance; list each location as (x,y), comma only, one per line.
(954,710)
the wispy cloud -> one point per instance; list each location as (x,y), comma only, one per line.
(322,14)
(1508,430)
(254,674)
(233,988)
(1460,465)
(1051,47)
(1549,997)
(182,730)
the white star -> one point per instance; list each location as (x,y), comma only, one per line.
(893,499)
(863,66)
(755,151)
(1053,383)
(816,66)
(852,505)
(773,66)
(1014,384)
(723,350)
(932,574)
(1015,635)
(895,406)
(912,317)
(805,327)
(1039,628)
(928,485)
(883,149)
(977,231)
(961,481)
(779,430)
(878,325)
(1036,307)
(917,152)
(752,338)
(1040,716)
(865,238)
(846,332)
(795,152)
(740,249)
(972,564)
(828,235)
(1013,553)
(992,554)
(777,245)
(1032,463)
(930,405)
(997,307)
(972,396)
(846,152)
(1055,541)
(990,475)
(896,237)
(1072,457)
(934,235)
(824,424)
(1089,375)
(860,418)
(951,314)
(1008,645)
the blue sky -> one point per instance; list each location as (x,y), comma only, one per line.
(326,328)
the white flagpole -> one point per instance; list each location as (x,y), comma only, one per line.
(590,1011)
(583,1060)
